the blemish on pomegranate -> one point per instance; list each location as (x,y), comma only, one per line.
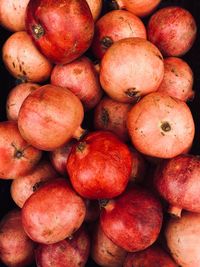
(133,93)
(105,117)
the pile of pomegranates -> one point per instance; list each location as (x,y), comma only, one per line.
(99,133)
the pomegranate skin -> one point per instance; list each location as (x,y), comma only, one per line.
(16,97)
(177,181)
(133,220)
(183,239)
(17,157)
(53,212)
(62,30)
(173,30)
(114,26)
(111,115)
(99,165)
(17,249)
(59,156)
(140,8)
(104,252)
(81,78)
(150,257)
(24,186)
(170,123)
(55,113)
(95,8)
(70,252)
(136,62)
(178,79)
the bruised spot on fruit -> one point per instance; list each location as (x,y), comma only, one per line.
(106,42)
(165,126)
(174,71)
(47,232)
(38,31)
(13,65)
(105,116)
(77,71)
(131,92)
(108,252)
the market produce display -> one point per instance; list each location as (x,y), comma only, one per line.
(99,133)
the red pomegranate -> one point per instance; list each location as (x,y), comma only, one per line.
(99,165)
(177,181)
(132,220)
(62,30)
(173,30)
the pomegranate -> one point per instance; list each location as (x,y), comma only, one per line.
(114,26)
(23,187)
(59,156)
(17,249)
(167,120)
(70,252)
(81,78)
(111,115)
(178,79)
(12,14)
(16,97)
(177,181)
(17,157)
(136,62)
(99,165)
(140,8)
(62,30)
(54,113)
(132,220)
(152,256)
(139,166)
(95,8)
(173,30)
(23,60)
(183,239)
(53,212)
(104,252)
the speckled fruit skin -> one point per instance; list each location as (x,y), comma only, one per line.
(173,30)
(132,220)
(99,165)
(111,115)
(17,157)
(16,97)
(161,126)
(177,181)
(136,62)
(183,239)
(17,249)
(70,252)
(81,77)
(113,26)
(53,212)
(178,79)
(104,252)
(24,186)
(54,113)
(152,256)
(95,8)
(62,30)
